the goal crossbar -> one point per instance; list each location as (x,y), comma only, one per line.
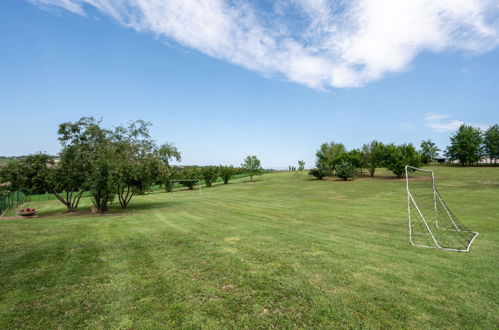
(431,223)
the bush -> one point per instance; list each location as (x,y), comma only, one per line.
(226,172)
(191,177)
(210,174)
(319,173)
(397,157)
(345,170)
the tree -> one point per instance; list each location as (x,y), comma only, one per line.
(210,174)
(345,170)
(328,155)
(429,151)
(354,157)
(372,156)
(252,166)
(491,142)
(167,152)
(465,145)
(397,157)
(301,166)
(190,177)
(139,162)
(68,179)
(93,148)
(29,174)
(226,172)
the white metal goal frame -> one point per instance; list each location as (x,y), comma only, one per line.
(172,182)
(438,202)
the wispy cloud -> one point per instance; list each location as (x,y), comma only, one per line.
(318,43)
(441,123)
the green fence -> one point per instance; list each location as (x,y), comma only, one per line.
(11,201)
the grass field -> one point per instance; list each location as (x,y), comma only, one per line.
(287,251)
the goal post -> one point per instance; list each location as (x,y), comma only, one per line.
(198,181)
(431,223)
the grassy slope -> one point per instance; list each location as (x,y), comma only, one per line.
(287,251)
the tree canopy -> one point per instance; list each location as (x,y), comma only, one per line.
(252,166)
(466,145)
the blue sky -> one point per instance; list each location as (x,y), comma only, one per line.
(277,86)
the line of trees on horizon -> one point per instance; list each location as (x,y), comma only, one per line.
(108,164)
(468,145)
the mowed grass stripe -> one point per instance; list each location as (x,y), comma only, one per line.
(286,251)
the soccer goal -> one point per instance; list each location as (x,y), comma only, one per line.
(193,182)
(431,223)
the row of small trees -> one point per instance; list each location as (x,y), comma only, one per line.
(188,176)
(470,145)
(108,164)
(334,159)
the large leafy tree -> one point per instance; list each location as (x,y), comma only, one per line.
(28,174)
(466,145)
(372,156)
(96,150)
(491,142)
(68,179)
(429,151)
(138,162)
(252,166)
(329,154)
(397,157)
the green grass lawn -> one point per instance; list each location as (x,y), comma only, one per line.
(287,251)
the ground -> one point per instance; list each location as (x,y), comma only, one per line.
(288,251)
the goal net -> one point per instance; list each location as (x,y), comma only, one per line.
(189,184)
(431,223)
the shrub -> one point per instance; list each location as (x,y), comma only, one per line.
(210,174)
(226,172)
(191,176)
(319,173)
(345,170)
(397,157)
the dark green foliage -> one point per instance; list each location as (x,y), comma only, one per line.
(210,174)
(466,145)
(68,179)
(319,173)
(429,151)
(138,161)
(354,157)
(397,157)
(252,166)
(28,175)
(190,176)
(167,152)
(491,142)
(226,172)
(329,154)
(372,156)
(122,162)
(345,170)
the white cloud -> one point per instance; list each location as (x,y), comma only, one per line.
(318,43)
(438,123)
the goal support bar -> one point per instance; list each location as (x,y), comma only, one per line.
(435,225)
